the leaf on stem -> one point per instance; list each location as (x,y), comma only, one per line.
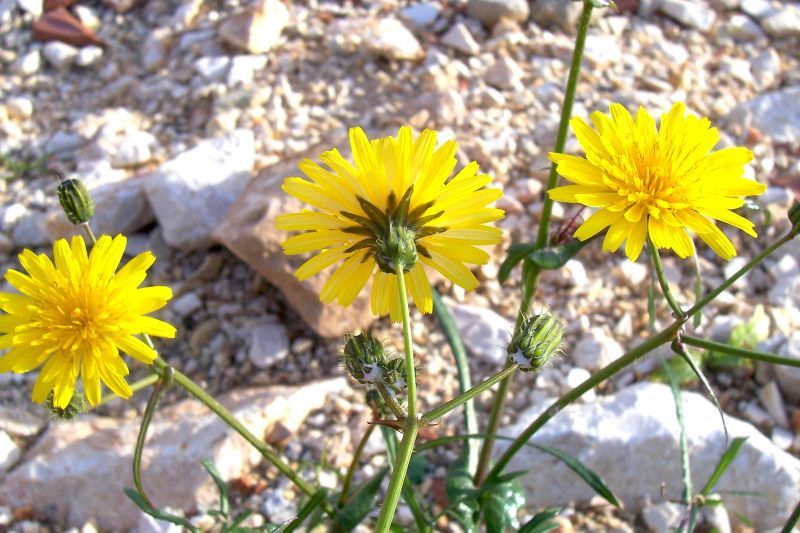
(158,514)
(554,257)
(723,464)
(224,505)
(515,254)
(501,503)
(542,522)
(360,503)
(588,475)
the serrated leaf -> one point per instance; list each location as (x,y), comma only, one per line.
(723,464)
(541,522)
(459,488)
(515,254)
(588,475)
(222,486)
(553,257)
(500,505)
(360,503)
(157,513)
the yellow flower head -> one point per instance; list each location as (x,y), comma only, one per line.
(396,208)
(657,182)
(76,315)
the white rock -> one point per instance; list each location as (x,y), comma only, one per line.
(391,39)
(99,449)
(31,230)
(575,377)
(776,114)
(9,452)
(485,333)
(565,15)
(268,344)
(766,68)
(148,524)
(695,14)
(421,15)
(739,69)
(60,55)
(490,11)
(633,273)
(504,73)
(213,68)
(459,38)
(27,64)
(595,350)
(257,30)
(186,304)
(576,273)
(789,376)
(133,150)
(716,516)
(742,28)
(87,16)
(89,56)
(243,69)
(34,7)
(757,8)
(771,399)
(191,193)
(19,107)
(663,517)
(602,50)
(11,214)
(784,22)
(632,439)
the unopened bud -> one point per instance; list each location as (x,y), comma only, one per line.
(364,358)
(76,407)
(536,341)
(76,201)
(794,218)
(394,375)
(396,247)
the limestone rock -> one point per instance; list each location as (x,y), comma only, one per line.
(694,14)
(268,344)
(485,333)
(77,470)
(632,440)
(256,30)
(775,113)
(191,193)
(385,37)
(490,11)
(459,38)
(248,230)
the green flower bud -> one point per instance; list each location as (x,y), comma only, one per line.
(76,201)
(536,341)
(364,358)
(396,246)
(76,407)
(394,375)
(794,218)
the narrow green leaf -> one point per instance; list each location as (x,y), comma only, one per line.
(542,522)
(360,503)
(698,291)
(501,504)
(588,475)
(239,518)
(553,257)
(306,510)
(651,302)
(685,466)
(723,464)
(158,514)
(515,254)
(461,493)
(224,506)
(680,350)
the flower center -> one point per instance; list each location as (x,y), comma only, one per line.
(391,235)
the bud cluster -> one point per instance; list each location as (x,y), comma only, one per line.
(535,342)
(369,363)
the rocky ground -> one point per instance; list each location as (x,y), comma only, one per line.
(176,113)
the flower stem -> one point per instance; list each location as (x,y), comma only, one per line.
(412,424)
(740,352)
(226,416)
(135,386)
(348,478)
(391,403)
(89,233)
(742,271)
(653,342)
(494,423)
(466,396)
(658,266)
(531,271)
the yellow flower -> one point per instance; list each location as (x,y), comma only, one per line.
(662,183)
(76,315)
(394,207)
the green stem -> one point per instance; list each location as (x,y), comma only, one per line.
(89,233)
(226,416)
(348,478)
(742,271)
(662,278)
(793,519)
(391,403)
(412,424)
(450,330)
(445,408)
(740,352)
(152,403)
(494,423)
(135,387)
(653,342)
